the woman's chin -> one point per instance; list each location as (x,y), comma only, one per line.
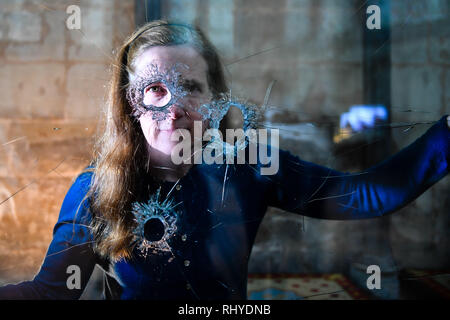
(164,143)
(164,147)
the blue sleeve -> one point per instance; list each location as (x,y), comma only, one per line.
(71,246)
(319,192)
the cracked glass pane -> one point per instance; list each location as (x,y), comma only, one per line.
(273,150)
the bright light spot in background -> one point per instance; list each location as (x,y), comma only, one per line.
(362,117)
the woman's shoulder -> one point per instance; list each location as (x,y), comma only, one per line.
(84,178)
(77,197)
(82,182)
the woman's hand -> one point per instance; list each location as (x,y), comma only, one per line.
(448,122)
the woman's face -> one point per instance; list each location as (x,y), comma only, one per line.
(191,70)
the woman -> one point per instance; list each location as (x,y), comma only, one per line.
(162,230)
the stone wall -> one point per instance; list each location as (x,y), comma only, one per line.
(52,83)
(421,82)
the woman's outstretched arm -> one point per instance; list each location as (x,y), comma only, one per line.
(320,192)
(70,260)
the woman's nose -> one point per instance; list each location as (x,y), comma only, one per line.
(176,112)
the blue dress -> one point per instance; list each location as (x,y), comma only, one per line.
(219,210)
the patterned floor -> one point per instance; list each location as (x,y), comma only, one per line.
(426,284)
(300,287)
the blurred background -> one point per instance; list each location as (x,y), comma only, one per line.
(321,58)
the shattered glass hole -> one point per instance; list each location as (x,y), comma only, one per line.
(156,91)
(157,94)
(154,229)
(233,119)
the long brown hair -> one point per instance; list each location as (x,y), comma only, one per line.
(120,155)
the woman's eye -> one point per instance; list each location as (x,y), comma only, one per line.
(157,95)
(156,89)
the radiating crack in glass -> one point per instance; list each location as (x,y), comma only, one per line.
(14,140)
(33,181)
(152,75)
(224,183)
(408,126)
(156,224)
(218,108)
(215,112)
